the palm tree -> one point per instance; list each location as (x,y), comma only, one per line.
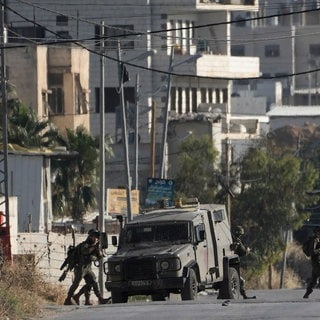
(25,129)
(75,183)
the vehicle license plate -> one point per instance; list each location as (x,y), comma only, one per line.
(140,283)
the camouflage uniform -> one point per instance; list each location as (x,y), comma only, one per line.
(315,262)
(240,249)
(87,252)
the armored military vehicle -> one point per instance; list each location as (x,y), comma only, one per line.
(181,250)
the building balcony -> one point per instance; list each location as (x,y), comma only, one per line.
(226,5)
(220,66)
(232,5)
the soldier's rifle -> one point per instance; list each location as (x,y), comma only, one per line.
(66,262)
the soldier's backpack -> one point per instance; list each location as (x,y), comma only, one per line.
(307,247)
(71,259)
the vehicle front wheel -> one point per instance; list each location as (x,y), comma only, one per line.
(119,297)
(230,288)
(190,289)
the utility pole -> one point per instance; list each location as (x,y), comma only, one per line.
(228,159)
(153,138)
(125,136)
(166,119)
(4,192)
(136,135)
(102,186)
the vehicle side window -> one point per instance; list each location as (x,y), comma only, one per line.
(200,233)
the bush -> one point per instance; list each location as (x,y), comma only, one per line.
(297,272)
(23,290)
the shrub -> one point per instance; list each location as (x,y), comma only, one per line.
(23,290)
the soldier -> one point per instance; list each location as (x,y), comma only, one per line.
(86,252)
(314,252)
(241,250)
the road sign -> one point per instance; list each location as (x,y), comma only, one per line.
(159,189)
(117,201)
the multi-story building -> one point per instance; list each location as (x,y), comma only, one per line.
(285,35)
(196,31)
(54,82)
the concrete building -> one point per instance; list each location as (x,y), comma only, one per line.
(287,42)
(52,81)
(281,116)
(29,185)
(197,30)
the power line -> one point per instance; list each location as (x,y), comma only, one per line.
(77,42)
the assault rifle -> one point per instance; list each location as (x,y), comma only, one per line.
(68,262)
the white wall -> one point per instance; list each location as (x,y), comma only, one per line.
(50,250)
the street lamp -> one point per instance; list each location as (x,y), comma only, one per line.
(166,114)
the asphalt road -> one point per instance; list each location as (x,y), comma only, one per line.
(282,304)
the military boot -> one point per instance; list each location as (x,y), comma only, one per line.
(87,301)
(308,292)
(244,294)
(68,301)
(76,298)
(103,300)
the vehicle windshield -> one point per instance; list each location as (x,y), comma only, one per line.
(158,233)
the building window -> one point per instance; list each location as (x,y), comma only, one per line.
(173,97)
(113,98)
(81,103)
(203,92)
(23,34)
(272,50)
(180,34)
(115,33)
(188,107)
(61,20)
(56,98)
(194,99)
(63,35)
(314,50)
(238,50)
(180,111)
(178,37)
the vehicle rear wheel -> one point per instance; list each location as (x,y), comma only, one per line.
(231,286)
(119,297)
(190,289)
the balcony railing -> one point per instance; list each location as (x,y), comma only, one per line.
(232,2)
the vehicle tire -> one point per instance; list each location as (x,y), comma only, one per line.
(190,289)
(158,297)
(230,288)
(119,297)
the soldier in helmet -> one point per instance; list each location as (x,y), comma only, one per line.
(86,252)
(241,250)
(314,252)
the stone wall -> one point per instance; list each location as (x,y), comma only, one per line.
(48,251)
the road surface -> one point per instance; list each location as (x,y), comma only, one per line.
(285,304)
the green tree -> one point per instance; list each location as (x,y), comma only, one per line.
(25,129)
(273,200)
(197,175)
(75,178)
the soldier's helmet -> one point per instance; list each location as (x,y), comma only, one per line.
(238,231)
(94,232)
